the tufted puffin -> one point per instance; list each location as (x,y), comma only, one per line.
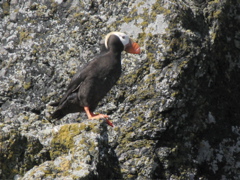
(91,83)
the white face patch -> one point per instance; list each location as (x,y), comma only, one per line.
(123,38)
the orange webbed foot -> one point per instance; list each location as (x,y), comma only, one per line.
(109,122)
(97,116)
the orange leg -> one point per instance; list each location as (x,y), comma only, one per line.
(90,115)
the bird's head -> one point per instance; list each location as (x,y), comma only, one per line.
(128,44)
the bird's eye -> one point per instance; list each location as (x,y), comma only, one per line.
(123,37)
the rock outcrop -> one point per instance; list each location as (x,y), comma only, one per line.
(175,107)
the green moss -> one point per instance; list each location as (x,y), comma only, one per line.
(27,85)
(78,15)
(41,10)
(48,173)
(6,7)
(63,140)
(213,36)
(129,135)
(158,9)
(128,79)
(26,117)
(132,98)
(16,10)
(174,93)
(1,126)
(217,13)
(64,165)
(141,38)
(144,23)
(131,176)
(213,2)
(45,98)
(24,35)
(33,6)
(140,4)
(127,19)
(140,119)
(183,64)
(132,17)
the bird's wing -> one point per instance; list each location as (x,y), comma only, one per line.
(81,75)
(75,83)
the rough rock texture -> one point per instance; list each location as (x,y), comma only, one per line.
(175,108)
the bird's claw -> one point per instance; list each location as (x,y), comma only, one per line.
(99,116)
(109,122)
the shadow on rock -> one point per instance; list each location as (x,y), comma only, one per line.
(108,166)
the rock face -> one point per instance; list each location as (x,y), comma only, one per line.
(175,108)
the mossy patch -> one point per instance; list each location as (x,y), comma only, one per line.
(63,141)
(64,165)
(27,85)
(6,7)
(157,8)
(24,35)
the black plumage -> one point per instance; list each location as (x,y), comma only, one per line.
(90,84)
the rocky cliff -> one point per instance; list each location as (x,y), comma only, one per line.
(176,107)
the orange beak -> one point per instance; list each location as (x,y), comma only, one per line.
(133,48)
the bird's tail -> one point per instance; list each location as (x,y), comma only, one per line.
(58,114)
(54,104)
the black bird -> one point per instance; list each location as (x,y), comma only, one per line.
(90,84)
